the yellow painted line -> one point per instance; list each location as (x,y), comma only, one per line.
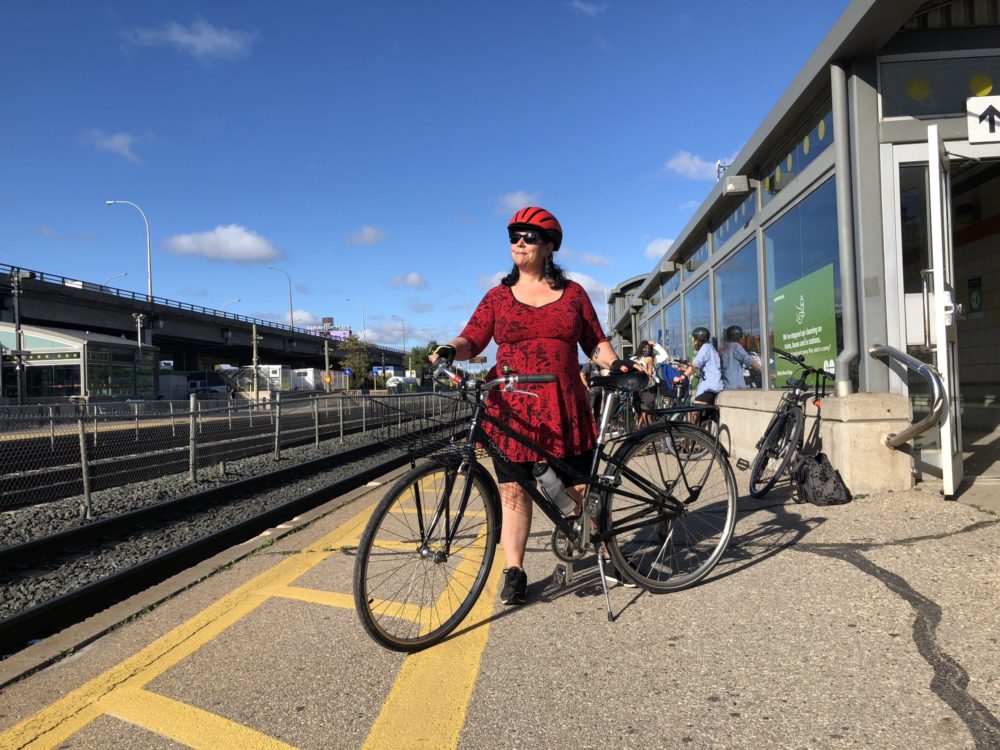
(55,724)
(185,723)
(437,683)
(314,596)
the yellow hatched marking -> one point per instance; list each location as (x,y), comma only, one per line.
(55,724)
(314,596)
(437,683)
(185,723)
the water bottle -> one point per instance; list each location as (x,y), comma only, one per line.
(552,487)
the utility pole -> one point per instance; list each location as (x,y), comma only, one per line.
(15,286)
(326,364)
(139,318)
(253,336)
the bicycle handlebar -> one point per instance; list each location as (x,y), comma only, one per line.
(800,360)
(508,380)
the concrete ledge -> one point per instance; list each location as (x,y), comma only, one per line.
(851,432)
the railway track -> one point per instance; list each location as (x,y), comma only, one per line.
(54,581)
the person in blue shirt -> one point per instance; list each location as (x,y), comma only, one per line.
(734,358)
(707,360)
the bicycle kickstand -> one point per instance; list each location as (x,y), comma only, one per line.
(604,585)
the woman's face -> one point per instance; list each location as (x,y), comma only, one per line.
(529,257)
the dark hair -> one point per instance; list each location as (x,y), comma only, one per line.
(552,273)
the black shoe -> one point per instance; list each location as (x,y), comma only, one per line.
(515,586)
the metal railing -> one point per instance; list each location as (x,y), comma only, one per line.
(938,397)
(48,453)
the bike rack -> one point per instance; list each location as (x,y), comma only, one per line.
(938,397)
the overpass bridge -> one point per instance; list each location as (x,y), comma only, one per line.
(194,337)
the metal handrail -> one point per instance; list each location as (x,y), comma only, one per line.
(939,398)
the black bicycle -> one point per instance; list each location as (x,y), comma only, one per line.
(783,436)
(665,517)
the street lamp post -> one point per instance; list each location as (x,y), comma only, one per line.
(116,276)
(228,301)
(149,258)
(364,326)
(291,317)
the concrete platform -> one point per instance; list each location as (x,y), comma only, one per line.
(867,625)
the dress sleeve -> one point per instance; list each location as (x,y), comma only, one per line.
(591,332)
(479,330)
(661,354)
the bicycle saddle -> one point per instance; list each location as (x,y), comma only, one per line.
(633,382)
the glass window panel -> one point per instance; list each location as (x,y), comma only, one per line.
(800,244)
(673,331)
(52,381)
(144,384)
(122,380)
(671,285)
(807,148)
(697,312)
(737,220)
(737,292)
(695,260)
(922,88)
(98,379)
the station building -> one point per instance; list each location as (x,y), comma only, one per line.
(863,211)
(59,364)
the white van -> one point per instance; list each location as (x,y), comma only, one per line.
(401,383)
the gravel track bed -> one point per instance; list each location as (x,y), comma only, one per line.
(29,588)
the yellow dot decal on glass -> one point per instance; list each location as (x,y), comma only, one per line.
(788,163)
(821,130)
(980,84)
(767,184)
(777,175)
(918,89)
(805,145)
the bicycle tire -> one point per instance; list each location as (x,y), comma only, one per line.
(655,546)
(776,450)
(408,594)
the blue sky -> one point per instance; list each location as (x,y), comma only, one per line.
(373,150)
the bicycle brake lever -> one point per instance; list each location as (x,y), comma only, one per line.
(511,389)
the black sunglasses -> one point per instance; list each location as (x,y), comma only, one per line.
(530,238)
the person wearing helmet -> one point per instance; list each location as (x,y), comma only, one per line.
(734,358)
(539,319)
(707,361)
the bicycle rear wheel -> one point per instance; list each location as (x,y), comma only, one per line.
(671,514)
(424,557)
(776,450)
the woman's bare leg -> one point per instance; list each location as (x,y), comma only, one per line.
(516,523)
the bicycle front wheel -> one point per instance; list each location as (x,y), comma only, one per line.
(424,556)
(776,451)
(671,513)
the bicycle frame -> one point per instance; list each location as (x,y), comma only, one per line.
(580,535)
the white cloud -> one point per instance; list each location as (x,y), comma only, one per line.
(114,143)
(367,235)
(409,281)
(588,9)
(201,40)
(232,243)
(594,259)
(83,235)
(419,306)
(488,282)
(691,166)
(511,202)
(596,290)
(658,248)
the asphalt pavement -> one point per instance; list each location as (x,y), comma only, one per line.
(868,625)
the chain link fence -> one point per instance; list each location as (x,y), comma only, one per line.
(49,452)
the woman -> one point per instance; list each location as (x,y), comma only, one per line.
(707,360)
(538,318)
(646,398)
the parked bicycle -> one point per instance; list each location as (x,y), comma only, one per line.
(783,436)
(665,518)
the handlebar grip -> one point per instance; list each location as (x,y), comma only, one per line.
(543,378)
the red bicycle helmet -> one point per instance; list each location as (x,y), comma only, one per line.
(534,217)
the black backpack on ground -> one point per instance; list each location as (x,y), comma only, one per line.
(819,483)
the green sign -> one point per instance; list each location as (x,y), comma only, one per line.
(805,322)
(976,297)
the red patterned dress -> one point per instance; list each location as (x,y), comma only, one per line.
(535,340)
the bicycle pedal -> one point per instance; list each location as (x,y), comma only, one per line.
(562,576)
(742,464)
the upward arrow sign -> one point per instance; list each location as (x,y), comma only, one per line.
(992,116)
